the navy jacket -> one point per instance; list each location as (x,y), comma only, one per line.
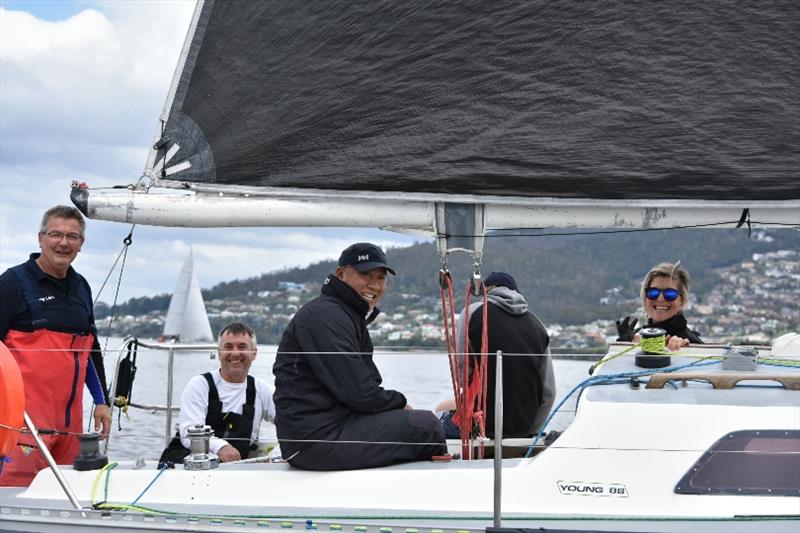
(528,381)
(677,326)
(324,369)
(65,310)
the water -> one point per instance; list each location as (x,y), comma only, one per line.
(423,377)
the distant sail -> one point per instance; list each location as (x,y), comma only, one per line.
(187,319)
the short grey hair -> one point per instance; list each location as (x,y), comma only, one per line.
(63,211)
(237,328)
(667,270)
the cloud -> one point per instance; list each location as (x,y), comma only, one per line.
(80,99)
(79,90)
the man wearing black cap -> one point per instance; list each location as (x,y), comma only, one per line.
(331,411)
(528,379)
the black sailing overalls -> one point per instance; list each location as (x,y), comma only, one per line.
(236,428)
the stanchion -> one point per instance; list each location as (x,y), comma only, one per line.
(498,438)
(52,463)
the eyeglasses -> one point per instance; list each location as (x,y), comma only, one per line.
(72,238)
(670,295)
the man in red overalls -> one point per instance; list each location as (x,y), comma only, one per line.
(47,322)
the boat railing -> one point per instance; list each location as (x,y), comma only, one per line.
(170,348)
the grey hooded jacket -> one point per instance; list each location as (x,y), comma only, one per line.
(528,378)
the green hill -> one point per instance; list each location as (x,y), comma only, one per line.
(563,276)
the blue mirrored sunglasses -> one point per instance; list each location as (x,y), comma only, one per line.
(670,295)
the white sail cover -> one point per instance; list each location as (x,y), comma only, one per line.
(187,319)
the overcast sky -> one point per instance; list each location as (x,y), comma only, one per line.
(82,84)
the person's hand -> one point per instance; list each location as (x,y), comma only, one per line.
(626,328)
(102,419)
(675,343)
(228,453)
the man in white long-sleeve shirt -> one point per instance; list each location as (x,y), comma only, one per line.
(229,400)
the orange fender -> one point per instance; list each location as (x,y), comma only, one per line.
(12,401)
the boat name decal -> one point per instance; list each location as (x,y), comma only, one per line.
(594,488)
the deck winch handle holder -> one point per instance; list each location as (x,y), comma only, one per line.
(740,359)
(200,458)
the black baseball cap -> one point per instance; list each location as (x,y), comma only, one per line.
(364,256)
(501,279)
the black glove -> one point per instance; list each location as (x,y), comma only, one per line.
(626,328)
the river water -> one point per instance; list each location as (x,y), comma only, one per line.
(423,377)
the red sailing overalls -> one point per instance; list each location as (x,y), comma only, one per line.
(53,368)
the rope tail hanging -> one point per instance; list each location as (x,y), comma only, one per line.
(473,421)
(467,371)
(449,320)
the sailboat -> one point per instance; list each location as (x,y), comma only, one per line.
(187,318)
(457,120)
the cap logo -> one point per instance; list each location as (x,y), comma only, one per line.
(362,258)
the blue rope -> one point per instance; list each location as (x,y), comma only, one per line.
(160,471)
(607,379)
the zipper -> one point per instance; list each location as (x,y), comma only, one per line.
(75,374)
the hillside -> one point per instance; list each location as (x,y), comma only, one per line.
(564,276)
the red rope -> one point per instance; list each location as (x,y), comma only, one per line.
(479,375)
(448,315)
(469,388)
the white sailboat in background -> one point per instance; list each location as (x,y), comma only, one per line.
(187,318)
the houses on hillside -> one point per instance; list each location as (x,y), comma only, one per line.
(754,301)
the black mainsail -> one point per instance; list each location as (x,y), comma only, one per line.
(561,105)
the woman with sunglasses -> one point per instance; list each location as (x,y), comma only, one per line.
(665,290)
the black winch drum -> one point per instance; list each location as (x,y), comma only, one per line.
(652,358)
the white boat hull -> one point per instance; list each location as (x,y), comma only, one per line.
(614,469)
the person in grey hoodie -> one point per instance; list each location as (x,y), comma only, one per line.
(528,379)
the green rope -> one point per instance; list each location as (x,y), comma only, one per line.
(791,363)
(105,470)
(445,517)
(655,345)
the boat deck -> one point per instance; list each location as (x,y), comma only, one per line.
(614,469)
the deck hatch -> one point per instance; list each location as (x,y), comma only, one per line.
(748,462)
